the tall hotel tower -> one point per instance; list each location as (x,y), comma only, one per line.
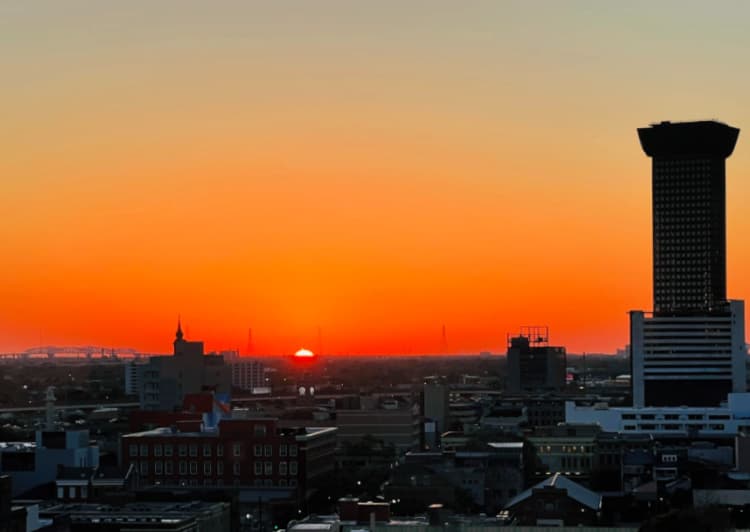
(691,350)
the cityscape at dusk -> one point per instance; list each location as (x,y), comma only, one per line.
(374,266)
(371,170)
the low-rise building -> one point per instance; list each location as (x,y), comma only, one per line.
(568,449)
(726,420)
(556,501)
(34,464)
(238,453)
(196,516)
(391,421)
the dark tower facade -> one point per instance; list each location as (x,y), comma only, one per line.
(689,214)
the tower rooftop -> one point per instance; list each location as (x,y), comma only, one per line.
(707,138)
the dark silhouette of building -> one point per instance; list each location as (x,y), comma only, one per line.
(689,213)
(534,365)
(691,350)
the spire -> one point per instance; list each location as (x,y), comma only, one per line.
(179,335)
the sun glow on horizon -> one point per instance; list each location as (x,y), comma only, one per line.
(304,353)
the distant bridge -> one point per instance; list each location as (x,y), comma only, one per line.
(86,351)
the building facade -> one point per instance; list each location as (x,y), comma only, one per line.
(691,350)
(534,365)
(248,375)
(240,453)
(33,464)
(694,360)
(689,213)
(165,380)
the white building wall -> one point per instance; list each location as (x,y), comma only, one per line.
(696,348)
(726,420)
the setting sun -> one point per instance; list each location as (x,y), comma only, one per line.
(304,353)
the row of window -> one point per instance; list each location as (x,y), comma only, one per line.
(673,426)
(167,449)
(575,463)
(292,482)
(192,468)
(545,449)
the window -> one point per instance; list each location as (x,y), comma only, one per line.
(84,492)
(236,468)
(282,449)
(193,468)
(133,449)
(219,468)
(206,468)
(144,449)
(168,468)
(292,450)
(268,482)
(260,431)
(183,467)
(237,449)
(282,468)
(292,468)
(268,468)
(220,450)
(193,449)
(157,449)
(158,468)
(60,492)
(167,449)
(206,449)
(182,449)
(268,450)
(292,482)
(282,482)
(144,468)
(258,468)
(257,450)
(72,492)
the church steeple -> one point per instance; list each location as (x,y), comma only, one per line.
(179,335)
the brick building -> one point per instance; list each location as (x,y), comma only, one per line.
(240,453)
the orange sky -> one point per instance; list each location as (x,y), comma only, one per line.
(372,169)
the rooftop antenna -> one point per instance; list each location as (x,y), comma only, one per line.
(444,341)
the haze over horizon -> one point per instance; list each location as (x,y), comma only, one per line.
(373,170)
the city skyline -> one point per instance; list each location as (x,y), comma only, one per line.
(297,173)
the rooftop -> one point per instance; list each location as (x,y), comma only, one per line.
(706,138)
(575,491)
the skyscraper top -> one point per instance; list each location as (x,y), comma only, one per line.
(688,205)
(707,138)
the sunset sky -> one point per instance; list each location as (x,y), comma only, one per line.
(376,169)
